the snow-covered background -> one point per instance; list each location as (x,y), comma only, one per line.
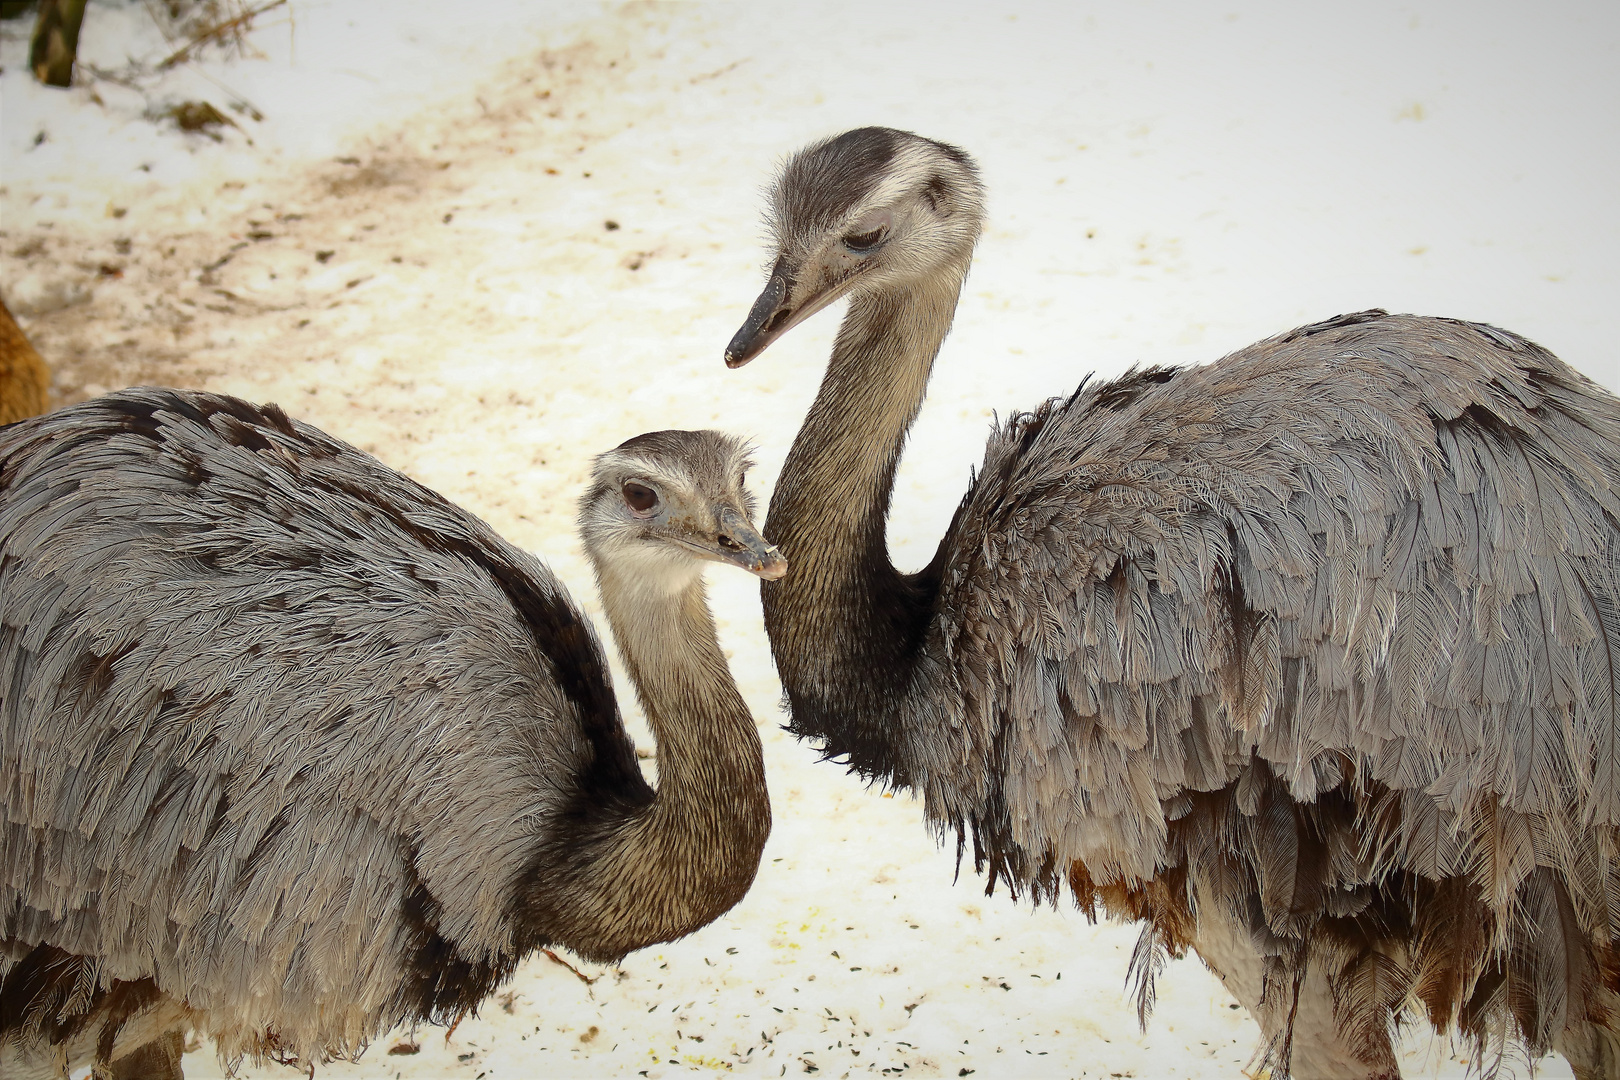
(485,241)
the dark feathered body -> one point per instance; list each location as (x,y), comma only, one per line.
(290,739)
(1309,657)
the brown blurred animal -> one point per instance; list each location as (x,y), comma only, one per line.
(25,381)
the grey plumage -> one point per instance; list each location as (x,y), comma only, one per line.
(1306,657)
(292,749)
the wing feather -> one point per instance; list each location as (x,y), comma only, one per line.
(170,661)
(1370,564)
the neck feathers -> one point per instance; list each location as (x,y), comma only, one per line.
(661,869)
(844,624)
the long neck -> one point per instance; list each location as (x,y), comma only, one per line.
(844,625)
(679,862)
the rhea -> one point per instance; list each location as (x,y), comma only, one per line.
(293,750)
(1309,658)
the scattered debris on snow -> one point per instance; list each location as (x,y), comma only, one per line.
(485,241)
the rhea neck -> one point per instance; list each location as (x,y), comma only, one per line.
(845,626)
(690,854)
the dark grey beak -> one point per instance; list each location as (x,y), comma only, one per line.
(767,319)
(740,544)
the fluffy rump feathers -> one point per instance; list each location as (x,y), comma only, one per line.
(276,725)
(1326,633)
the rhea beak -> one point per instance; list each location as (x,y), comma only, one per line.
(775,313)
(740,544)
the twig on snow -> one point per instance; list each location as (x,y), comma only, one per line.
(584,978)
(207,34)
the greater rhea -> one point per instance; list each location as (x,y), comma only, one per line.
(293,750)
(1309,658)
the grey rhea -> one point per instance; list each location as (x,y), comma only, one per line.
(1309,658)
(293,750)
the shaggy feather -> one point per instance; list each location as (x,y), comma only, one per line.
(306,751)
(1324,632)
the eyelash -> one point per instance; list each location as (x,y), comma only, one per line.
(865,241)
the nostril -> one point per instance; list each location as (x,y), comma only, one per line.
(729,544)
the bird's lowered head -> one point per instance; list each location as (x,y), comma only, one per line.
(661,504)
(870,210)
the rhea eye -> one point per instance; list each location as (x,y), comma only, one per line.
(640,497)
(866,241)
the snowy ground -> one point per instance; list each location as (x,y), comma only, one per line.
(487,250)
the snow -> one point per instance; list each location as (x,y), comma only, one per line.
(411,249)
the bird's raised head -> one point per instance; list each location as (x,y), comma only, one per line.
(662,503)
(868,210)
